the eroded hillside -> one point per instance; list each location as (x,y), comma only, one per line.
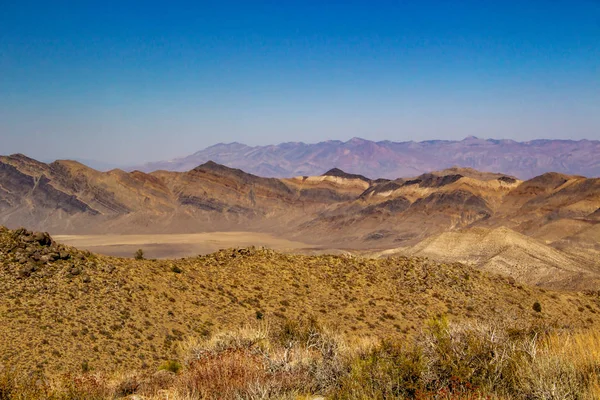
(336,210)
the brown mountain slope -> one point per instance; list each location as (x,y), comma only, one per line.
(406,211)
(335,209)
(68,197)
(61,308)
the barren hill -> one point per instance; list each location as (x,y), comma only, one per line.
(502,250)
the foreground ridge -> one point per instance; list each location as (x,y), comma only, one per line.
(63,307)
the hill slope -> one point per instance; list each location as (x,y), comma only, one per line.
(502,250)
(60,307)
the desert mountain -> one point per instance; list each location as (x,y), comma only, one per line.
(391,160)
(553,217)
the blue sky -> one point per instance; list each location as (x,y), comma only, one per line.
(127,82)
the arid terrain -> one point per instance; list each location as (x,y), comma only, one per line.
(542,231)
(300,200)
(180,245)
(103,326)
(457,283)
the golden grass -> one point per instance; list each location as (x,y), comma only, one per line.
(301,360)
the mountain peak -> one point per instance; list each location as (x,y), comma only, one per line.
(341,174)
(22,158)
(210,165)
(224,170)
(357,140)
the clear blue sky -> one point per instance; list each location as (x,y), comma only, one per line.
(127,82)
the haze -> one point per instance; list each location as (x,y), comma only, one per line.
(129,82)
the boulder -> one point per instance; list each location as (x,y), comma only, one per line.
(42,238)
(26,270)
(74,270)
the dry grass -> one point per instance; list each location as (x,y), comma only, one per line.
(301,360)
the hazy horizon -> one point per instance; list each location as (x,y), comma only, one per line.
(130,82)
(103,165)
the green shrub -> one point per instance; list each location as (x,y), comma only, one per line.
(85,367)
(139,254)
(176,269)
(388,371)
(171,365)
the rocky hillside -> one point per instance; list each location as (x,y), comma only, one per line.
(68,197)
(340,210)
(392,159)
(64,310)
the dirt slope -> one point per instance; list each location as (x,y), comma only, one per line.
(508,252)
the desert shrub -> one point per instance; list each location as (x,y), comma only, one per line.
(469,362)
(88,386)
(15,386)
(300,358)
(176,269)
(294,358)
(537,307)
(171,366)
(239,364)
(128,386)
(292,331)
(387,371)
(464,358)
(85,366)
(139,254)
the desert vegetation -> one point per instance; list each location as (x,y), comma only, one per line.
(139,254)
(299,359)
(253,323)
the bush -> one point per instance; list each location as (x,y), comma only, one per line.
(176,269)
(139,254)
(171,366)
(537,307)
(387,371)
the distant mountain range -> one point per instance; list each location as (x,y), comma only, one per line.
(392,160)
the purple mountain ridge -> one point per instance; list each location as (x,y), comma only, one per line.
(387,159)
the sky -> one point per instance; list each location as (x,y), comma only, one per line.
(127,82)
